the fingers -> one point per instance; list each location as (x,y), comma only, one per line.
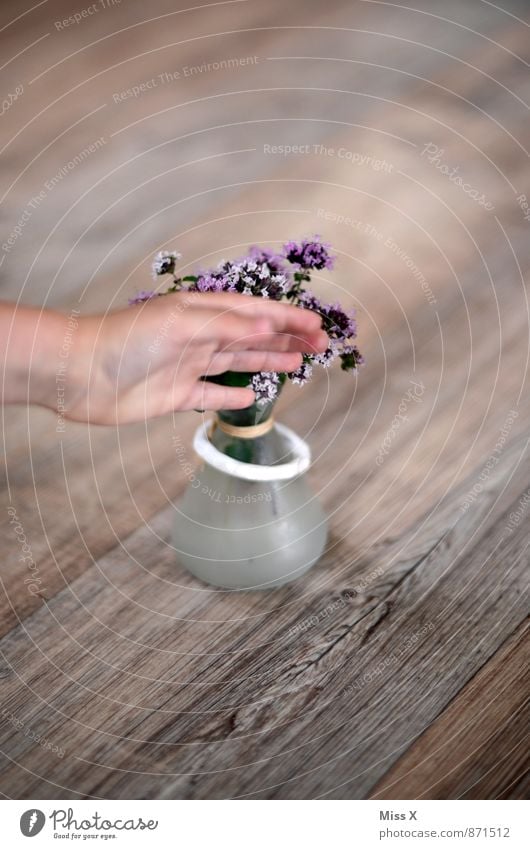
(302,325)
(252,361)
(285,317)
(211,396)
(305,343)
(233,331)
(224,328)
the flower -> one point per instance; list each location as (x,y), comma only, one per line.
(209,283)
(165,262)
(351,358)
(341,328)
(308,301)
(327,357)
(142,297)
(266,274)
(302,374)
(248,276)
(266,386)
(338,323)
(309,254)
(274,261)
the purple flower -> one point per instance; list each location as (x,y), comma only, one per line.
(351,358)
(142,297)
(247,276)
(341,327)
(165,262)
(338,323)
(209,283)
(264,255)
(328,356)
(308,301)
(309,254)
(302,374)
(265,385)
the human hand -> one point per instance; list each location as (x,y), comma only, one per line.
(145,361)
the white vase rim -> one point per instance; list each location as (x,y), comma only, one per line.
(252,471)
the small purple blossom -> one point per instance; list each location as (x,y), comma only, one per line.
(339,324)
(165,263)
(266,386)
(302,374)
(248,276)
(274,261)
(351,357)
(309,254)
(327,357)
(209,283)
(309,301)
(341,327)
(142,297)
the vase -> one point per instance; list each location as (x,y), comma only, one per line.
(248,519)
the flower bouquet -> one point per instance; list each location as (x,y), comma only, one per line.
(248,519)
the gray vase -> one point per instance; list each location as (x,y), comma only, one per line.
(248,534)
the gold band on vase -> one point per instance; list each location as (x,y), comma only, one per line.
(251,432)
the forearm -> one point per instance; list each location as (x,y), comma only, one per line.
(33,353)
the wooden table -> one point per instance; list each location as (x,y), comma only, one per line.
(396,668)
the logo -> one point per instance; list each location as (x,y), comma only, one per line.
(31,822)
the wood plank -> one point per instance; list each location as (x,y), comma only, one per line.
(478,747)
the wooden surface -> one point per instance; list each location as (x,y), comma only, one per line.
(396,668)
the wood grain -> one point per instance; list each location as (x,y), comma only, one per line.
(458,755)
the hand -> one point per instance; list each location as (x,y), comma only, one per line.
(148,360)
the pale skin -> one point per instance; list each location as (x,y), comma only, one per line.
(147,360)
